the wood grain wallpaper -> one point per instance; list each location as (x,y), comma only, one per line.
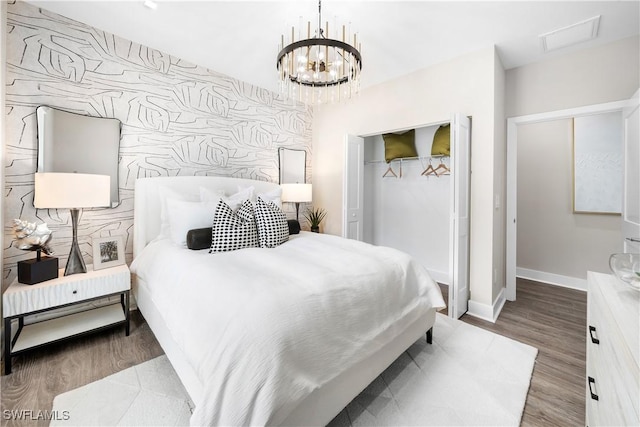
(178,119)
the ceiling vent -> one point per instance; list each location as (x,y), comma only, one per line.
(573,34)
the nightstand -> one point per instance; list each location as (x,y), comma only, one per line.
(21,300)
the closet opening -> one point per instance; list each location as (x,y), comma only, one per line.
(409,190)
(407,200)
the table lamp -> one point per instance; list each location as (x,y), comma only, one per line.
(296,193)
(72,191)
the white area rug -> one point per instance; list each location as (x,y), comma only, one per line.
(468,376)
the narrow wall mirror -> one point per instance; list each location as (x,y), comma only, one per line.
(75,143)
(597,163)
(292,165)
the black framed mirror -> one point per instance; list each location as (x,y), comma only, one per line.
(76,143)
(292,165)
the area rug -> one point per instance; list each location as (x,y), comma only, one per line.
(468,376)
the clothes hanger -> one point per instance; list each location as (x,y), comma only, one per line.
(390,170)
(443,167)
(429,170)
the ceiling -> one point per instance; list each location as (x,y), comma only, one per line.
(240,38)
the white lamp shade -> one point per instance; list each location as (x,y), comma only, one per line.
(296,193)
(72,191)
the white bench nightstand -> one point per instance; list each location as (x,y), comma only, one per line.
(20,301)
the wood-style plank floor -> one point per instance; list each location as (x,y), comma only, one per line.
(550,318)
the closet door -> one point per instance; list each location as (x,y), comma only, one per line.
(353,188)
(460,176)
(631,190)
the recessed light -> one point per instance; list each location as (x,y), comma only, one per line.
(150,4)
(573,34)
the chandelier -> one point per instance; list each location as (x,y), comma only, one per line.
(319,69)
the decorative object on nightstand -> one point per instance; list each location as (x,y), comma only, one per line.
(36,302)
(108,252)
(72,191)
(296,193)
(315,217)
(30,236)
(626,267)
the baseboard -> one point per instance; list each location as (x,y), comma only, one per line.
(439,276)
(487,312)
(552,279)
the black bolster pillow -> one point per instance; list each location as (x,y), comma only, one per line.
(200,238)
(294,226)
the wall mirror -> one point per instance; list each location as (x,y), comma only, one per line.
(597,163)
(75,143)
(292,165)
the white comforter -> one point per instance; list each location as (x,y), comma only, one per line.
(263,328)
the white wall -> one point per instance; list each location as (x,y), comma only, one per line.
(592,76)
(551,239)
(465,85)
(410,213)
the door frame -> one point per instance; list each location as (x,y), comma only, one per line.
(512,174)
(345,185)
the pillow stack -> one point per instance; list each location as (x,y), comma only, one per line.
(242,220)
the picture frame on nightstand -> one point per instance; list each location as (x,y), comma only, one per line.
(108,252)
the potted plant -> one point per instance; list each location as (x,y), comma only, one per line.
(315,217)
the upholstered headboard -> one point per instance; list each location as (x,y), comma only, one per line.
(147,206)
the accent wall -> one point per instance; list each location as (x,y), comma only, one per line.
(177,119)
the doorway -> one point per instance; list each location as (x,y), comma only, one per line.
(512,181)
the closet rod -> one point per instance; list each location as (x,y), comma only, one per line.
(406,158)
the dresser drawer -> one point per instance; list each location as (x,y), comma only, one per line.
(613,372)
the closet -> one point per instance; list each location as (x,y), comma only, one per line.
(416,202)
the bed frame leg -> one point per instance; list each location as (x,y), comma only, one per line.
(430,335)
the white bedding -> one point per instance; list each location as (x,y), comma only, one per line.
(263,328)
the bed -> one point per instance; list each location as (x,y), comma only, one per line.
(281,336)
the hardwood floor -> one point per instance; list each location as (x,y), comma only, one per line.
(39,376)
(554,320)
(550,318)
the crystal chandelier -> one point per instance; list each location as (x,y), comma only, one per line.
(319,69)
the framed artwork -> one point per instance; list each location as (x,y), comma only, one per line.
(597,163)
(108,252)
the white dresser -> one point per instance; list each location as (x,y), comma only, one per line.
(613,351)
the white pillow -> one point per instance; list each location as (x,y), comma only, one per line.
(208,195)
(168,193)
(274,196)
(185,216)
(234,201)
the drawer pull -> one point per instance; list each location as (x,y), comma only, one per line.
(594,340)
(75,292)
(593,395)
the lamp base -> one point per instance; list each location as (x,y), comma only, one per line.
(75,263)
(34,271)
